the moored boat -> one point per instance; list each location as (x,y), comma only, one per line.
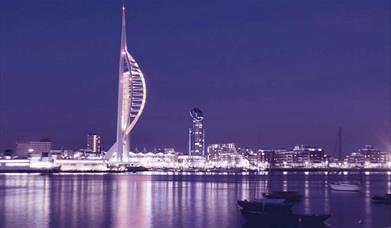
(382,199)
(348,187)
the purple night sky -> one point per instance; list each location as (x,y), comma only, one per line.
(265,73)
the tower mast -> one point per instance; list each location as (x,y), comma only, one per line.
(338,145)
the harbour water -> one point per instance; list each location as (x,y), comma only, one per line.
(162,200)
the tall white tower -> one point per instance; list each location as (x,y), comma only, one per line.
(131,99)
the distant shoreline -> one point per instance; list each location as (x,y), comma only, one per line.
(282,171)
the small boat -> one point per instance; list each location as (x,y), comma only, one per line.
(382,199)
(269,218)
(341,186)
(289,196)
(135,169)
(270,205)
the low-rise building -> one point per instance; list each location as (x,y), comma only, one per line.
(300,156)
(33,148)
(217,151)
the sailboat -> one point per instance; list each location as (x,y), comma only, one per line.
(343,186)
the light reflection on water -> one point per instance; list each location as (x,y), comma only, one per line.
(389,184)
(367,200)
(307,205)
(178,201)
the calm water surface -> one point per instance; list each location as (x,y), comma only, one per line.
(146,200)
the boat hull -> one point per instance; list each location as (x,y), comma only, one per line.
(345,187)
(262,206)
(382,199)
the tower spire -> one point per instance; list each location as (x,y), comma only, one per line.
(123,30)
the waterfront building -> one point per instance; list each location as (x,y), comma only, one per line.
(197,133)
(231,161)
(266,157)
(167,160)
(226,155)
(367,157)
(131,99)
(191,162)
(245,151)
(33,148)
(309,156)
(300,156)
(85,165)
(93,143)
(158,160)
(355,159)
(285,158)
(216,152)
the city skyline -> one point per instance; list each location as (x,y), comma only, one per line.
(271,109)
